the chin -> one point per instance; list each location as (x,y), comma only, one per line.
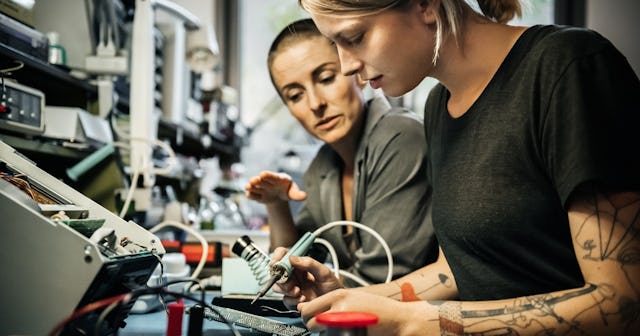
(333,139)
(400,89)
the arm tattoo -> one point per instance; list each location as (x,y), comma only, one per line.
(609,234)
(443,280)
(450,318)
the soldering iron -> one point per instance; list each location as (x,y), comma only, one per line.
(281,270)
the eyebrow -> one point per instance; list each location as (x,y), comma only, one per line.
(340,35)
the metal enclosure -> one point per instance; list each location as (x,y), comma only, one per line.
(51,269)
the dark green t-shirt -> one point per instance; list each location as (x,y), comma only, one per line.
(561,110)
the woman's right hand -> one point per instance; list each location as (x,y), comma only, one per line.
(309,279)
(270,187)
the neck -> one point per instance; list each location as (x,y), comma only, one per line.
(346,150)
(470,64)
(347,147)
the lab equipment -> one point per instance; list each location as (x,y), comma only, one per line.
(67,253)
(281,270)
(75,127)
(23,38)
(258,260)
(22,108)
(259,323)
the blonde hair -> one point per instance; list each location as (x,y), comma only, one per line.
(449,17)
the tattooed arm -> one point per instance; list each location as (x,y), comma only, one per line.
(604,228)
(434,281)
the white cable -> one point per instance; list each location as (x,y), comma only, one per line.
(14,68)
(336,267)
(376,235)
(203,242)
(132,188)
(136,173)
(354,278)
(332,252)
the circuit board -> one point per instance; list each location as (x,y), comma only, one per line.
(255,322)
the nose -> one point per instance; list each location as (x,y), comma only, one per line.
(349,64)
(316,101)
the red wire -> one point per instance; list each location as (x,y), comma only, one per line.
(88,308)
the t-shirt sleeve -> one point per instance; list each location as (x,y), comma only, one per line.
(590,133)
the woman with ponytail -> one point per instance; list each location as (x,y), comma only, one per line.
(533,159)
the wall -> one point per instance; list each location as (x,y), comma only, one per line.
(617,20)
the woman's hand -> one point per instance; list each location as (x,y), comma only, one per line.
(395,317)
(270,187)
(309,279)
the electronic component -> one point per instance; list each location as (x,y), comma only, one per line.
(23,38)
(23,108)
(75,125)
(67,253)
(255,322)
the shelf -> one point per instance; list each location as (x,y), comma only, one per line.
(59,87)
(51,157)
(44,148)
(191,144)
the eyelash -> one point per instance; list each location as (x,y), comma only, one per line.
(354,41)
(326,80)
(294,98)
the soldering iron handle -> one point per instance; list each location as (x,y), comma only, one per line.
(300,248)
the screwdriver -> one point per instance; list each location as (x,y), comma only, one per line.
(281,270)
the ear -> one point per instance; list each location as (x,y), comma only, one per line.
(428,10)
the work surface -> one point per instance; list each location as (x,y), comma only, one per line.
(155,323)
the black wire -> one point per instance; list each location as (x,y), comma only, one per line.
(4,90)
(160,280)
(161,290)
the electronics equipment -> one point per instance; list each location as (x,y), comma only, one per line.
(21,37)
(269,305)
(23,108)
(76,22)
(64,253)
(19,10)
(75,125)
(255,322)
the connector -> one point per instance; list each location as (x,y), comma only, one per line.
(176,311)
(196,317)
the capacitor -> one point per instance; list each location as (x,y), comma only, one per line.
(347,323)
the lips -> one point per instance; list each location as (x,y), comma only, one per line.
(376,82)
(327,123)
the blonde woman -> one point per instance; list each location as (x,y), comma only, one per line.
(534,164)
